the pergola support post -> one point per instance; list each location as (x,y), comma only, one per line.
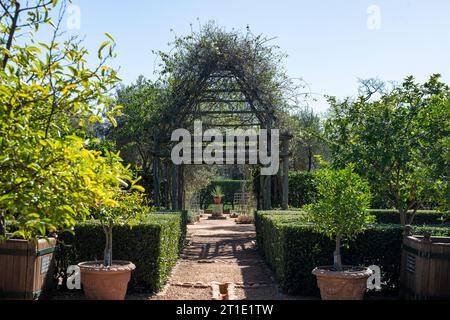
(267,180)
(166,185)
(156,174)
(181,190)
(285,138)
(174,188)
(267,192)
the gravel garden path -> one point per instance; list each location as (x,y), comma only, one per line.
(220,262)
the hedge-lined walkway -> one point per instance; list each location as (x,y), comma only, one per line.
(220,251)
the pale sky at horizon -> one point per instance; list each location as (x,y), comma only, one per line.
(329,42)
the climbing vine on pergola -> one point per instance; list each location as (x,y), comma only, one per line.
(227,80)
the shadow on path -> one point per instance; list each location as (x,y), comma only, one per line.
(223,252)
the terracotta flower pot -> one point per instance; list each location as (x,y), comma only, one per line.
(350,284)
(100,283)
(217,200)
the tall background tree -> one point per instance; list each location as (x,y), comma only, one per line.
(398,141)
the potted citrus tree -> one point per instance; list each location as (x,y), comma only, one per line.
(340,213)
(108,279)
(217,195)
(48,176)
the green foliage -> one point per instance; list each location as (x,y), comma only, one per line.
(183,226)
(138,125)
(399,142)
(343,198)
(212,50)
(217,192)
(302,190)
(102,145)
(293,248)
(229,188)
(131,209)
(192,217)
(198,178)
(49,178)
(307,140)
(422,217)
(153,245)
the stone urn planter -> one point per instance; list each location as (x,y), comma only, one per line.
(217,195)
(349,284)
(105,283)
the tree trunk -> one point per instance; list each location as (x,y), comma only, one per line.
(410,219)
(107,258)
(2,225)
(402,217)
(310,156)
(337,254)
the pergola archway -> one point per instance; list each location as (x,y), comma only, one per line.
(227,80)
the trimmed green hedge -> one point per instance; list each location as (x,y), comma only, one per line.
(301,188)
(153,246)
(293,249)
(423,217)
(391,216)
(183,224)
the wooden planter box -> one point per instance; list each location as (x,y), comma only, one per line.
(26,268)
(425,273)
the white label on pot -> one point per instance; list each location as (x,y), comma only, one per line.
(45,263)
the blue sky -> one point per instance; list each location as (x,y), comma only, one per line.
(328,42)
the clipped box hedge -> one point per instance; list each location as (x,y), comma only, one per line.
(293,249)
(153,246)
(422,217)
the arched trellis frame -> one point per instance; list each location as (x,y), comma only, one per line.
(227,80)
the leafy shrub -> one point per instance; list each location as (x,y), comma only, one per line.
(427,217)
(217,192)
(153,246)
(340,211)
(292,248)
(191,216)
(302,190)
(49,178)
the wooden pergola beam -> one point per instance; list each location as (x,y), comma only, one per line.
(224,101)
(222,91)
(231,125)
(225,112)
